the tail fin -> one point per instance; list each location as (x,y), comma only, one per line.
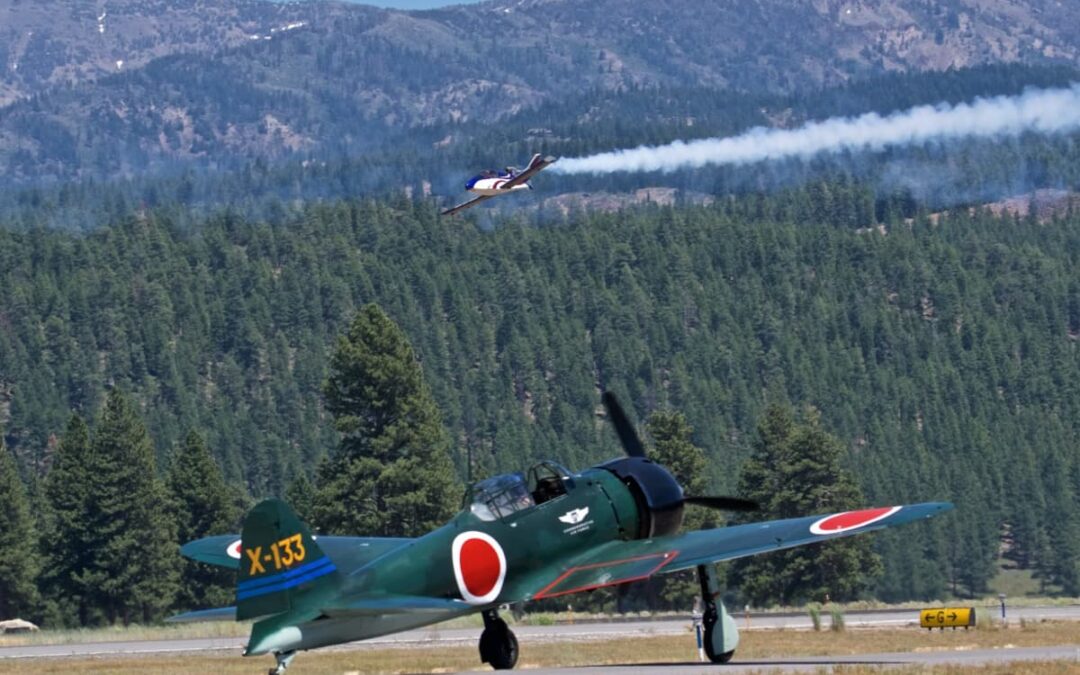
(280,563)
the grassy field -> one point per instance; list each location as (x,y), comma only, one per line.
(763,644)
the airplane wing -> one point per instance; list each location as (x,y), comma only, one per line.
(216,614)
(466,205)
(348,553)
(361,607)
(397,604)
(624,561)
(536,165)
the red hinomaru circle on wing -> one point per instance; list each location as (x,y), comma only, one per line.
(850,520)
(479,567)
(233,550)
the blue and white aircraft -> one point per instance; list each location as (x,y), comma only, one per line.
(494,183)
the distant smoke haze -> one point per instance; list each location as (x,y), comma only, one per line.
(1043,111)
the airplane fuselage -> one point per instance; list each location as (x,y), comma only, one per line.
(490,187)
(485,559)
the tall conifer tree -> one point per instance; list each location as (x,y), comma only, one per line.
(299,494)
(18,553)
(134,566)
(795,470)
(391,474)
(66,541)
(674,449)
(204,506)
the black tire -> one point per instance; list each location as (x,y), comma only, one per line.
(715,658)
(499,646)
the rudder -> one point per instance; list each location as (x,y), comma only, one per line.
(280,562)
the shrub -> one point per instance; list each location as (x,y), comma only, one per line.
(837,620)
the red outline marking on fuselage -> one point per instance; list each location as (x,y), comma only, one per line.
(667,557)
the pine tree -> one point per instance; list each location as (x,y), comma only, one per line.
(66,541)
(134,562)
(391,474)
(795,470)
(674,449)
(204,506)
(18,554)
(299,495)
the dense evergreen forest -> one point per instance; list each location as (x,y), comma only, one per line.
(942,350)
(206,261)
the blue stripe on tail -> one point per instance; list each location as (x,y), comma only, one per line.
(311,573)
(275,579)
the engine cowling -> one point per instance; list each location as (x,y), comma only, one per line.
(658,496)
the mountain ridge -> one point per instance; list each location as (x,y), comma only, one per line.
(330,78)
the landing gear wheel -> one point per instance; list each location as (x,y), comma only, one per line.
(713,618)
(283,661)
(498,645)
(714,657)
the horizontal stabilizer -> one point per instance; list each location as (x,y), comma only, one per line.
(397,604)
(216,614)
(222,550)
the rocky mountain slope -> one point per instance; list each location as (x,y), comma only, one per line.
(58,43)
(230,81)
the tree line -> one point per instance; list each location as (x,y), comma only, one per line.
(100,545)
(941,348)
(96,540)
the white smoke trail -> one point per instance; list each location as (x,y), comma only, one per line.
(1043,111)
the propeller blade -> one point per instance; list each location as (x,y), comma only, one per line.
(627,436)
(724,503)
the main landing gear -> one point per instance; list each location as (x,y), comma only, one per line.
(283,661)
(498,646)
(721,634)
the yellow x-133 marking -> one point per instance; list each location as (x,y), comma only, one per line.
(283,553)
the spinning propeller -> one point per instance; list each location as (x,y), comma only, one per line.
(661,497)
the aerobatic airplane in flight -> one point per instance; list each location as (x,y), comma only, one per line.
(494,183)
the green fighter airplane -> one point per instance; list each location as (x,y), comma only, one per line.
(520,537)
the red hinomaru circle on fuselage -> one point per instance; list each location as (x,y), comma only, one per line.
(850,520)
(479,567)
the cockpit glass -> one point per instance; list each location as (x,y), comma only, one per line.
(548,481)
(500,496)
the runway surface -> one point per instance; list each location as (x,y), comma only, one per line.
(434,636)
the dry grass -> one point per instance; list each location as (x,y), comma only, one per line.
(1028,668)
(183,631)
(764,644)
